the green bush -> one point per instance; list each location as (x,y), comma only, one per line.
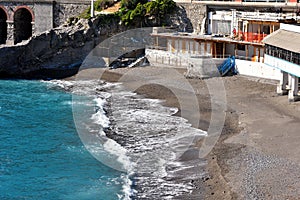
(142,9)
(136,12)
(131,4)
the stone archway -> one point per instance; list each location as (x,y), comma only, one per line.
(22,25)
(3,26)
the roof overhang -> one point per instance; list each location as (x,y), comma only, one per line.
(205,38)
(284,39)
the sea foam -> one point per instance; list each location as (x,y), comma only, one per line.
(139,134)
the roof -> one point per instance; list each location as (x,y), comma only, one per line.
(284,39)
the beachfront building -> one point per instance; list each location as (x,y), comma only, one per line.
(229,29)
(179,48)
(282,51)
(246,25)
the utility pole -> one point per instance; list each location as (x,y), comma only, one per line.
(92,8)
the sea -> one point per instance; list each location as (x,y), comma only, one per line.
(90,140)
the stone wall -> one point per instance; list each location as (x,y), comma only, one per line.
(43,17)
(63,11)
(45,14)
(195,13)
(10,8)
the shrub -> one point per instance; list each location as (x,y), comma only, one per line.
(157,9)
(131,4)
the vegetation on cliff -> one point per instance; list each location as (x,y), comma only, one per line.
(137,12)
(143,12)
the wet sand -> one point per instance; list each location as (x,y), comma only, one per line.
(257,154)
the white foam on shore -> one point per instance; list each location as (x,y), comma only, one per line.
(106,150)
(151,137)
(116,149)
(100,116)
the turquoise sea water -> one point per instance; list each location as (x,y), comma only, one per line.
(41,155)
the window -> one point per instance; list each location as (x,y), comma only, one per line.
(266,29)
(241,47)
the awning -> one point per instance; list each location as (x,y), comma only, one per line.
(284,39)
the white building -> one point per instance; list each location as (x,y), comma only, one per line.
(282,51)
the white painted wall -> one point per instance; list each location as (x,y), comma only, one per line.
(290,27)
(257,69)
(283,65)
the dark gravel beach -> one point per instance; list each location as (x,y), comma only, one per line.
(257,154)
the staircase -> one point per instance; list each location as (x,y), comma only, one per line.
(138,62)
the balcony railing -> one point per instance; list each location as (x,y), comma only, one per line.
(251,37)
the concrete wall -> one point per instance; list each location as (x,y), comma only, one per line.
(203,67)
(283,65)
(166,59)
(257,69)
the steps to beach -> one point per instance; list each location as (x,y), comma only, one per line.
(137,62)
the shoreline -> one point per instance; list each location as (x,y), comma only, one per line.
(213,182)
(249,102)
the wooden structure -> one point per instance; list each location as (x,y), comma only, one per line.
(204,45)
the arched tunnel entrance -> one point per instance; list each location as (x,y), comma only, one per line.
(22,25)
(3,26)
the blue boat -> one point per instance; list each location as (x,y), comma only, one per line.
(228,66)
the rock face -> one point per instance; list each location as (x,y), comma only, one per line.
(195,13)
(56,53)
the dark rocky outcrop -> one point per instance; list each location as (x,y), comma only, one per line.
(56,53)
(59,52)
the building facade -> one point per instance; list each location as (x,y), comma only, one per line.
(282,51)
(19,20)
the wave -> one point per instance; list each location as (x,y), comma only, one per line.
(138,135)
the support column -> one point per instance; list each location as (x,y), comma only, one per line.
(293,92)
(258,54)
(282,85)
(197,47)
(180,50)
(10,33)
(215,50)
(258,37)
(177,50)
(169,45)
(223,50)
(183,46)
(210,21)
(194,47)
(235,50)
(173,45)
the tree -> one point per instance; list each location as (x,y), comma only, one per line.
(136,12)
